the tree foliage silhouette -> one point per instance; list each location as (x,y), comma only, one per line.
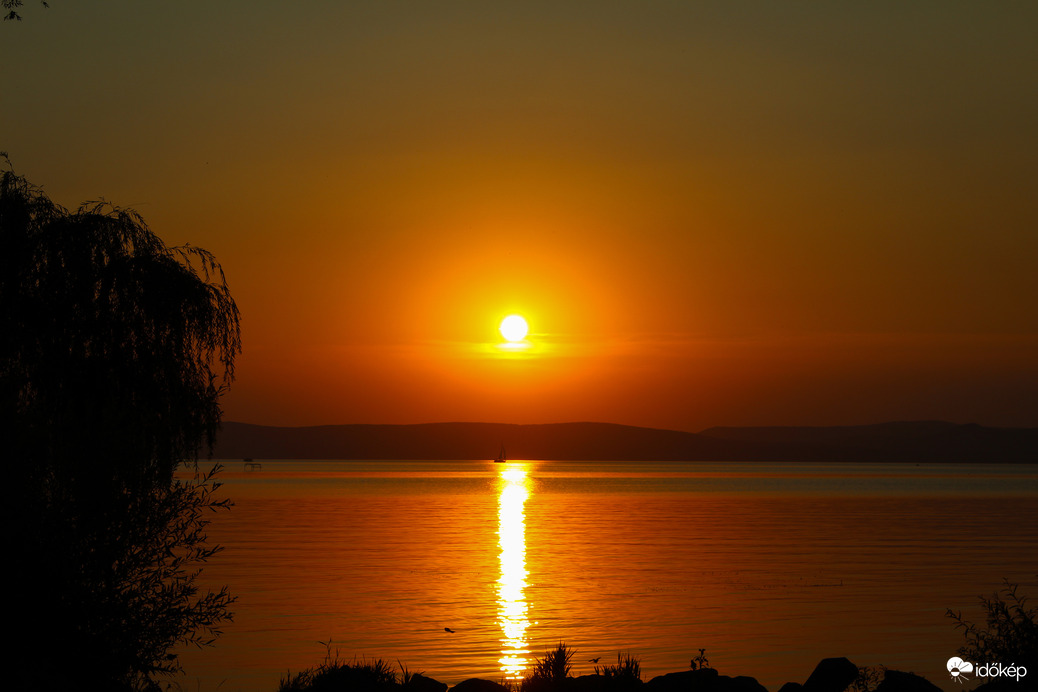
(114,351)
(1010,636)
(12,12)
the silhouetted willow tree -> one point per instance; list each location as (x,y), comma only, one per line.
(114,351)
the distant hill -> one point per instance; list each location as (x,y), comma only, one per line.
(918,441)
(926,441)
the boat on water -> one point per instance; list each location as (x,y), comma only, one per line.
(501,456)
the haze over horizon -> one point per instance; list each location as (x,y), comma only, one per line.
(580,422)
(710,215)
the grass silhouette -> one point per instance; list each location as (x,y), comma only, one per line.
(550,671)
(335,673)
(627,669)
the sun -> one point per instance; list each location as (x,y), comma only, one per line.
(514,328)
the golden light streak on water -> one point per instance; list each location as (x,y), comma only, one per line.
(511,599)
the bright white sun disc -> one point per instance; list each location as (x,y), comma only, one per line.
(513,328)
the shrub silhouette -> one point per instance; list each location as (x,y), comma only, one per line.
(1011,634)
(114,351)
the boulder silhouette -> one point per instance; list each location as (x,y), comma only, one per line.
(702,680)
(421,683)
(478,685)
(1004,685)
(898,681)
(831,675)
(602,683)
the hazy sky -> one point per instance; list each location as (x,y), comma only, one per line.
(711,213)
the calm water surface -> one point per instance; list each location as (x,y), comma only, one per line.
(769,567)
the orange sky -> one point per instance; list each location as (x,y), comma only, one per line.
(710,213)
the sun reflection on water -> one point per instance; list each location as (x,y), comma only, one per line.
(511,599)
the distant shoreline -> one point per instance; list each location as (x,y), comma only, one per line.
(898,442)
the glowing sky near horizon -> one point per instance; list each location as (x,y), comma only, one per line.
(711,214)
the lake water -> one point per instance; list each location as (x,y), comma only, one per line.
(768,567)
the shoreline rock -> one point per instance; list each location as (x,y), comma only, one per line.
(830,675)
